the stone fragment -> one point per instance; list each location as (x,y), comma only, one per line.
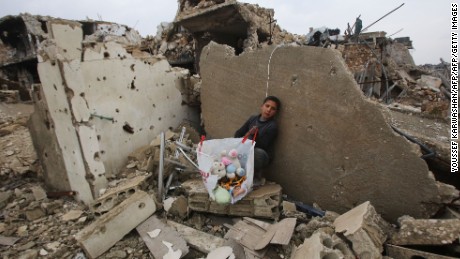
(179,207)
(426,231)
(53,246)
(34,212)
(404,252)
(153,231)
(103,233)
(5,198)
(39,193)
(2,227)
(71,215)
(29,254)
(365,229)
(22,231)
(319,245)
(201,241)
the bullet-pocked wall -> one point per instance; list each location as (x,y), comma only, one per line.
(110,104)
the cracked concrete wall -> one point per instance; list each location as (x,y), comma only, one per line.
(102,104)
(334,146)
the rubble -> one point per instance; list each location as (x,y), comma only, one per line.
(363,125)
(103,233)
(340,149)
(426,231)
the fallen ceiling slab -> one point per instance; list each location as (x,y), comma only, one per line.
(335,148)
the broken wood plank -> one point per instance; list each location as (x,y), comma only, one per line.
(200,241)
(167,233)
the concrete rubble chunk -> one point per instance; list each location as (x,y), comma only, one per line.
(365,229)
(39,193)
(5,198)
(103,233)
(319,245)
(200,241)
(72,215)
(339,145)
(34,211)
(249,233)
(166,233)
(394,251)
(430,82)
(426,231)
(8,241)
(119,193)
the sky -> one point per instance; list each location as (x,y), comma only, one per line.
(426,22)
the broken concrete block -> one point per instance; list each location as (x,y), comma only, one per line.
(426,231)
(346,138)
(263,202)
(34,211)
(5,198)
(430,82)
(116,195)
(71,215)
(38,192)
(179,207)
(248,233)
(165,233)
(103,233)
(200,241)
(365,229)
(319,245)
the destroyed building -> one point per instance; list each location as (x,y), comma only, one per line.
(363,139)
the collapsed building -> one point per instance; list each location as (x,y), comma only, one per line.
(350,123)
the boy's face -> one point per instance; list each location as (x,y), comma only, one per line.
(268,109)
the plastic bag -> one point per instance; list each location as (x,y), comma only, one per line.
(212,152)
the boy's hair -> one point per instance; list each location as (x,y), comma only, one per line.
(275,99)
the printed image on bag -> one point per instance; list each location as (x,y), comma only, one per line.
(227,168)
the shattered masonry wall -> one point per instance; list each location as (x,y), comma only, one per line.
(334,147)
(400,54)
(357,55)
(99,105)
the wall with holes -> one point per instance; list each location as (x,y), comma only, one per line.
(99,104)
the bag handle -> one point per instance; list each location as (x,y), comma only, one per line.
(256,129)
(203,137)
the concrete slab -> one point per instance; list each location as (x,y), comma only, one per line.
(201,241)
(335,147)
(365,229)
(103,233)
(397,252)
(426,231)
(117,194)
(319,245)
(167,233)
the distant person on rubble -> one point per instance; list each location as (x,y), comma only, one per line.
(358,27)
(264,128)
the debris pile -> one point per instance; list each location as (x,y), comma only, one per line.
(112,169)
(36,222)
